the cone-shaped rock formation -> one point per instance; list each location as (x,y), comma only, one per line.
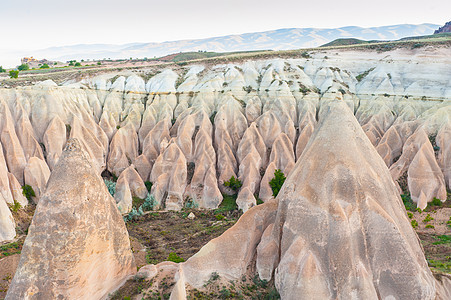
(337,229)
(77,246)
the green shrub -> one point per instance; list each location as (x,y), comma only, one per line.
(410,215)
(363,75)
(148,185)
(2,70)
(436,202)
(99,63)
(16,206)
(77,64)
(111,185)
(44,66)
(277,182)
(428,218)
(191,203)
(13,74)
(219,217)
(430,226)
(233,183)
(408,203)
(149,203)
(414,223)
(175,258)
(23,67)
(28,192)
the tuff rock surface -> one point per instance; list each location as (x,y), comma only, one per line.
(188,129)
(337,229)
(77,246)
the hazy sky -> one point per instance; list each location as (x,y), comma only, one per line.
(36,24)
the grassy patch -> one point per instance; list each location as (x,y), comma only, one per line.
(10,249)
(437,249)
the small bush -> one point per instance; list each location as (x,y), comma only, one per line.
(410,215)
(16,206)
(428,218)
(414,223)
(219,217)
(364,74)
(430,226)
(408,203)
(111,185)
(436,202)
(44,66)
(191,203)
(99,63)
(28,192)
(77,64)
(13,74)
(233,183)
(175,258)
(277,182)
(148,185)
(247,89)
(149,203)
(2,70)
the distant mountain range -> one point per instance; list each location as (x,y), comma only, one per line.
(281,39)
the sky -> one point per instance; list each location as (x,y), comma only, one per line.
(33,24)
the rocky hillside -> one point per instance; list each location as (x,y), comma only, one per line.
(188,129)
(444,28)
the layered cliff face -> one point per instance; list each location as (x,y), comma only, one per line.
(189,129)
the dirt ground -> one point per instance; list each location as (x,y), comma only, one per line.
(157,234)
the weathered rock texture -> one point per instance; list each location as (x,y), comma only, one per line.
(77,246)
(337,229)
(189,129)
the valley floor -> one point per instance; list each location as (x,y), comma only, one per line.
(165,235)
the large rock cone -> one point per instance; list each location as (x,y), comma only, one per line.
(341,229)
(77,246)
(337,229)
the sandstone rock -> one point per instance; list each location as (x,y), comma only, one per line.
(16,190)
(443,140)
(123,149)
(7,224)
(339,185)
(425,178)
(77,246)
(36,175)
(129,184)
(169,178)
(14,155)
(54,140)
(5,190)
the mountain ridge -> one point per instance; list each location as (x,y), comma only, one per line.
(278,39)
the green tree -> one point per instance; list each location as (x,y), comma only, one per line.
(77,64)
(23,67)
(44,66)
(234,183)
(13,73)
(99,63)
(2,70)
(277,182)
